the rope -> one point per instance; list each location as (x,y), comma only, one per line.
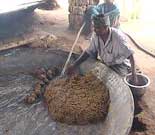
(139,46)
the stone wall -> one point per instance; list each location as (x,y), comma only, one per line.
(77,9)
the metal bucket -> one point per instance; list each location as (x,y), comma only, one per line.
(140,89)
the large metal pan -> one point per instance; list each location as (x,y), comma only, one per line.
(17,118)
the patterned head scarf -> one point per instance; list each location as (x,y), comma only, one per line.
(101,20)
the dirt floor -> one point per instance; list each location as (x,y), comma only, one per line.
(56,22)
(143,34)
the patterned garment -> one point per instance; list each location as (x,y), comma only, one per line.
(110,10)
(114,52)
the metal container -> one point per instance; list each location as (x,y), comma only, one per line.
(16,82)
(141,87)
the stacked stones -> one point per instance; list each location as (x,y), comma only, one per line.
(77,9)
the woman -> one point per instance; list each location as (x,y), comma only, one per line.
(111,45)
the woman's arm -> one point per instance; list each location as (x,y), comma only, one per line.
(133,69)
(81,59)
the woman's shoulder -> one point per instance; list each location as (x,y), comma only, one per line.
(117,33)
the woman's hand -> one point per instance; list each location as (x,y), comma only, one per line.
(134,79)
(71,70)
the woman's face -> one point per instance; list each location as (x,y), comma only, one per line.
(101,31)
(96,2)
(108,1)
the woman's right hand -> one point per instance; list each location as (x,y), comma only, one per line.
(71,70)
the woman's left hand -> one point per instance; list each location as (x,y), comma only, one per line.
(134,79)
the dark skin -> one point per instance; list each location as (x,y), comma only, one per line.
(103,32)
(109,1)
(96,2)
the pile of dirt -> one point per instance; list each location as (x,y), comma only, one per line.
(78,99)
(143,123)
(44,41)
(52,41)
(49,5)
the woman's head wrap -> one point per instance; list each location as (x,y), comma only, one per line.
(101,20)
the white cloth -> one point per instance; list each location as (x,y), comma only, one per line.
(115,50)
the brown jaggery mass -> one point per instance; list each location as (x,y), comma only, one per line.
(44,76)
(77,100)
(32,97)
